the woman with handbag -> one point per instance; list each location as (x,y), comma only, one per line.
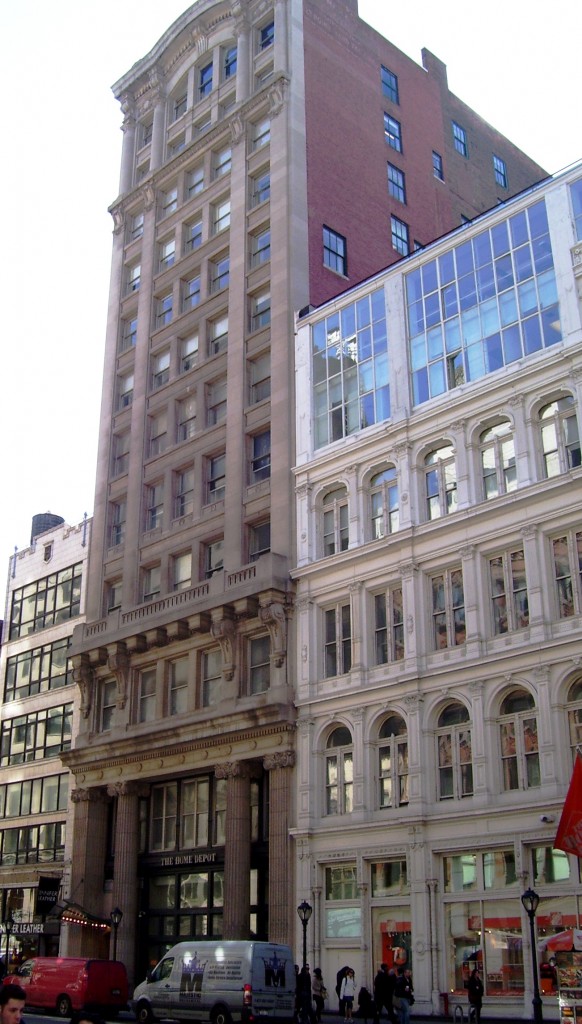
(319,992)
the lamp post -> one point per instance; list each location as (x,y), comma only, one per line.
(530,900)
(305,911)
(115,917)
(9,925)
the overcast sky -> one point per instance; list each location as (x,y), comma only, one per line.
(60,169)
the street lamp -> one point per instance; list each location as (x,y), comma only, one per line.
(115,917)
(530,900)
(9,925)
(305,911)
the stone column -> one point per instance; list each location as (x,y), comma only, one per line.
(433,944)
(159,124)
(128,148)
(124,893)
(88,860)
(237,853)
(281,880)
(244,56)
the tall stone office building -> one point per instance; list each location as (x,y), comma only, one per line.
(273,154)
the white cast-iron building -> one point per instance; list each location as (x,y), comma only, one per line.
(439,604)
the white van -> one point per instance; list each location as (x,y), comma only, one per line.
(219,982)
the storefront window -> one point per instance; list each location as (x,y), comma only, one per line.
(499,868)
(550,865)
(486,934)
(460,872)
(392,936)
(389,878)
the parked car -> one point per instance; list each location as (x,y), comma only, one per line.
(220,982)
(64,984)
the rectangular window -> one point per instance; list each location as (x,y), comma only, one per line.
(186,418)
(154,506)
(460,139)
(260,187)
(213,557)
(164,806)
(217,336)
(261,133)
(335,251)
(178,703)
(195,806)
(205,81)
(120,460)
(567,552)
(259,371)
(509,592)
(192,235)
(124,391)
(128,334)
(261,457)
(38,735)
(396,184)
(220,216)
(389,627)
(195,181)
(164,308)
(114,595)
(117,512)
(158,428)
(147,696)
(260,247)
(219,271)
(179,106)
(259,664)
(108,704)
(136,227)
(400,240)
(169,201)
(134,277)
(160,369)
(260,310)
(152,583)
(184,493)
(500,171)
(437,166)
(215,402)
(259,540)
(190,293)
(222,161)
(229,61)
(46,602)
(448,609)
(37,670)
(389,84)
(215,483)
(34,796)
(337,641)
(145,134)
(188,352)
(211,678)
(267,35)
(393,132)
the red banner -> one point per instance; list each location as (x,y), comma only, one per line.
(569,834)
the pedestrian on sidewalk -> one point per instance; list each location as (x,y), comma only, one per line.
(475,993)
(348,992)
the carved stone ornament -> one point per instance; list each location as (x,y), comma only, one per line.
(131,788)
(119,663)
(95,795)
(149,195)
(277,96)
(85,679)
(233,769)
(282,759)
(237,129)
(223,631)
(118,214)
(273,617)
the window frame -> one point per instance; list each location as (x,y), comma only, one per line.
(393,132)
(337,640)
(460,139)
(447,611)
(389,84)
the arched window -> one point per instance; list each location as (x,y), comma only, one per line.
(575,716)
(560,436)
(441,482)
(339,772)
(498,468)
(335,521)
(384,503)
(455,757)
(393,762)
(519,741)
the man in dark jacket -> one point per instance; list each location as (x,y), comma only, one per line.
(384,984)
